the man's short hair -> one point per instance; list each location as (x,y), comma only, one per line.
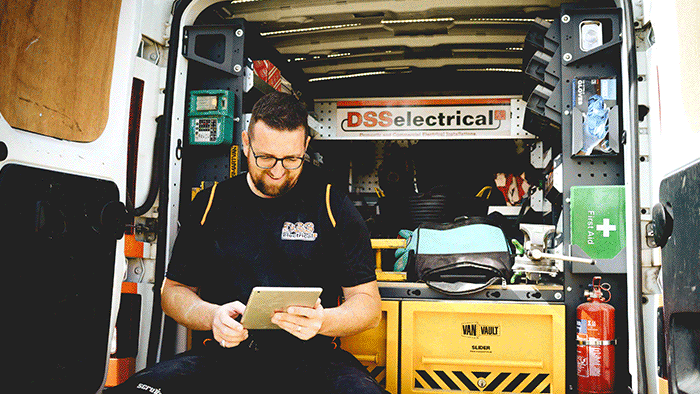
(280,111)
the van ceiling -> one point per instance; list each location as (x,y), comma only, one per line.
(366,48)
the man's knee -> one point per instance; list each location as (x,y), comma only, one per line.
(367,385)
(363,385)
(353,381)
(167,377)
(136,386)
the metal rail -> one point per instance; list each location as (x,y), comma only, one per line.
(631,124)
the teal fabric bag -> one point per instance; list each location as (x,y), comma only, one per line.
(462,257)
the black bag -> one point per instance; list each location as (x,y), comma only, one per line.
(460,258)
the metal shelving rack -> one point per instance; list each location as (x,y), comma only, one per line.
(557,60)
(595,170)
(220,58)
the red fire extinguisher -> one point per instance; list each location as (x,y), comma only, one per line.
(595,342)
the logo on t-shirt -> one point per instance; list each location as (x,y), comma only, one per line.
(298,231)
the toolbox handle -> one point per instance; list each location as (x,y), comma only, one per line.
(370,358)
(483,363)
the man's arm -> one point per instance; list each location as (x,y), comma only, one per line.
(182,303)
(360,311)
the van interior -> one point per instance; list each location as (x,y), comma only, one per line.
(328,51)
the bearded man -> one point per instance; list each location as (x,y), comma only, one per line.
(276,225)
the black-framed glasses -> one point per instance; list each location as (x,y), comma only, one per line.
(266,162)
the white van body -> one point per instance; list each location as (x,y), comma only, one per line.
(140,47)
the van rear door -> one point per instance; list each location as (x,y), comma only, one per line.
(66,75)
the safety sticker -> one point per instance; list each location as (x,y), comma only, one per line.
(233,163)
(483,381)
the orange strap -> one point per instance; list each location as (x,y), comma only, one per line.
(211,200)
(328,204)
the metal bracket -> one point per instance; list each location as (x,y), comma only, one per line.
(145,229)
(218,46)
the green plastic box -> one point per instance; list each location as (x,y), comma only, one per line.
(210,117)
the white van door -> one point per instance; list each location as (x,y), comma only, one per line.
(673,68)
(66,71)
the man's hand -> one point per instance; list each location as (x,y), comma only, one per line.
(304,323)
(227,331)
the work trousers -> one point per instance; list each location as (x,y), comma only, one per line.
(249,370)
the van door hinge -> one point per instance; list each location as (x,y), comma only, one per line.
(145,229)
(644,37)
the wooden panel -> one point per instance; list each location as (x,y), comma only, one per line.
(56,65)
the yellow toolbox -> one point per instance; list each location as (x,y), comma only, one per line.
(378,349)
(482,347)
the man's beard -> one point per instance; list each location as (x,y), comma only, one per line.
(274,190)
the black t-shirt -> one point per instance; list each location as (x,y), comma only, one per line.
(249,241)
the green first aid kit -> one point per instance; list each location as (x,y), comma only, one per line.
(598,227)
(211,117)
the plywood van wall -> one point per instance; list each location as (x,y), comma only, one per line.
(56,65)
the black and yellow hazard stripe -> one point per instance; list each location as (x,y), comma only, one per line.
(483,382)
(378,372)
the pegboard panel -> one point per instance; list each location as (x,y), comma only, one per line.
(368,183)
(324,113)
(517,118)
(592,171)
(213,169)
(365,183)
(602,62)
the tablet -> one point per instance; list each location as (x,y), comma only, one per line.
(265,301)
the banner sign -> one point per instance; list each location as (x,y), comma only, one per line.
(424,118)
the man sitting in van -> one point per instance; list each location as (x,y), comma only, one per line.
(277,225)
